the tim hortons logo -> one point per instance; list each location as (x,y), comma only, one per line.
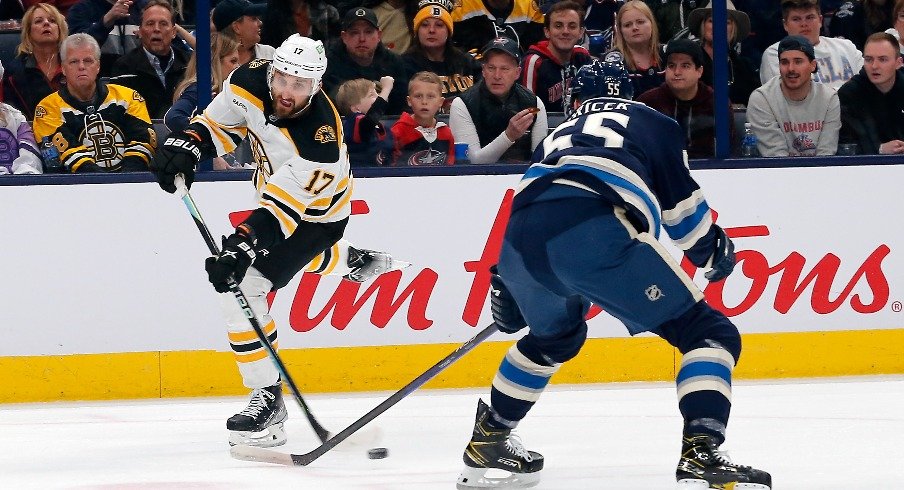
(794,276)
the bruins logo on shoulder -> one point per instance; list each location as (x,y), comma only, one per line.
(325,134)
(257,63)
(40,111)
(137,97)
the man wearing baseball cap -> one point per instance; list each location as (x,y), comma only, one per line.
(790,115)
(685,98)
(361,54)
(499,119)
(241,20)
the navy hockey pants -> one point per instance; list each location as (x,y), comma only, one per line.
(557,257)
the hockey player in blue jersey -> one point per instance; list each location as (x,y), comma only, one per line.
(584,229)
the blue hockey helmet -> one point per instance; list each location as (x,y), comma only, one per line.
(606,78)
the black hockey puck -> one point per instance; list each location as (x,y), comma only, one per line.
(377,453)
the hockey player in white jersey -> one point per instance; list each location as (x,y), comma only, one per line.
(304,185)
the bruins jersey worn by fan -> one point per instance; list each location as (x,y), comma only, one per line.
(476,23)
(111,133)
(304,185)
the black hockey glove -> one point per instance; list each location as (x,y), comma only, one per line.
(505,311)
(179,154)
(234,260)
(723,258)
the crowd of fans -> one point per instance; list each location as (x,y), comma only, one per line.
(414,77)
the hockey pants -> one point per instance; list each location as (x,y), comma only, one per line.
(313,247)
(560,256)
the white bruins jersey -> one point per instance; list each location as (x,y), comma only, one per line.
(303,173)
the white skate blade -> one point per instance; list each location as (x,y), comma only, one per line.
(260,455)
(275,435)
(487,478)
(694,484)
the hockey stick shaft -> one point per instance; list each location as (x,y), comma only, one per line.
(269,456)
(240,298)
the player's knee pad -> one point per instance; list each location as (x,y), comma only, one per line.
(255,288)
(554,350)
(701,327)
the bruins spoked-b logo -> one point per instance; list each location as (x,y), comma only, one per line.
(104,139)
(325,134)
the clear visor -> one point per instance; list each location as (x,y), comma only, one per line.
(290,86)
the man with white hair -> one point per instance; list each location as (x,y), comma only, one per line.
(304,185)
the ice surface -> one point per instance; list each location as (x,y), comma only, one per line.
(835,433)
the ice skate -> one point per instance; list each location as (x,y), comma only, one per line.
(497,451)
(703,466)
(261,422)
(367,264)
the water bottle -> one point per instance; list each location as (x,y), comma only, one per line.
(748,145)
(51,156)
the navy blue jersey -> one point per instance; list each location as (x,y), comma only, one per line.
(632,156)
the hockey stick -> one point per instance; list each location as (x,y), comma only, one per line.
(251,453)
(322,433)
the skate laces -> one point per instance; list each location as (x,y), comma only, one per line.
(515,446)
(259,401)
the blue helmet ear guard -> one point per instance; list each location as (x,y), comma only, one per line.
(606,78)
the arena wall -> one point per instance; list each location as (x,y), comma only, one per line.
(104,294)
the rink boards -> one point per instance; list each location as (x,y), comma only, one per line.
(104,293)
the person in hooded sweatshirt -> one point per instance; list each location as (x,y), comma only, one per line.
(549,65)
(685,98)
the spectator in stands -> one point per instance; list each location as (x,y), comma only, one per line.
(61,5)
(742,76)
(685,98)
(19,153)
(240,20)
(395,18)
(224,53)
(95,126)
(838,59)
(361,54)
(790,114)
(637,40)
(499,119)
(154,68)
(113,23)
(872,102)
(672,16)
(432,50)
(856,20)
(419,139)
(550,65)
(897,29)
(36,70)
(316,19)
(478,22)
(362,104)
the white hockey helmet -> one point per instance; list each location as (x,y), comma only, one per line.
(300,57)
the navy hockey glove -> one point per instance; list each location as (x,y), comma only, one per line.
(723,258)
(505,311)
(234,260)
(179,154)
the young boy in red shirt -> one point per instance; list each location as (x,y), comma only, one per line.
(421,140)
